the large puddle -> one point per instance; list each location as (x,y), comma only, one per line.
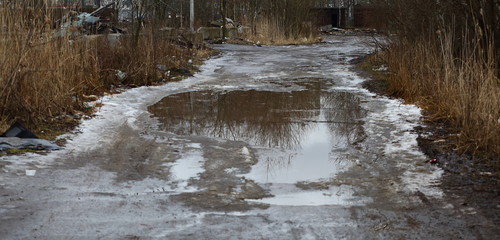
(295,120)
(300,135)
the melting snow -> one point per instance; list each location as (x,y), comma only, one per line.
(186,168)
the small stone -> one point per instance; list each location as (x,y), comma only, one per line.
(30,172)
(245,151)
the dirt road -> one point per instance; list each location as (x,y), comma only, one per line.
(263,143)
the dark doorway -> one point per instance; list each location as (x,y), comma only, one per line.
(335,20)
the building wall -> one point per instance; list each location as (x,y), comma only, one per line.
(366,17)
(336,17)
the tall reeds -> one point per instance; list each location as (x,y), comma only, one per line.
(281,22)
(449,66)
(272,31)
(40,76)
(43,77)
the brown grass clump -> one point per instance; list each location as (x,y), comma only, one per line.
(463,92)
(445,57)
(281,22)
(271,32)
(40,77)
(143,62)
(43,78)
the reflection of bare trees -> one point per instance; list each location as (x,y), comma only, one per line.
(263,118)
(278,162)
(343,114)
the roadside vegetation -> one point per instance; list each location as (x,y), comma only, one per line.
(45,81)
(444,56)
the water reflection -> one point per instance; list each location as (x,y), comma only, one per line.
(264,118)
(344,112)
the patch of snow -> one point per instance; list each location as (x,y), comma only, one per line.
(426,182)
(246,153)
(30,172)
(231,170)
(401,145)
(186,168)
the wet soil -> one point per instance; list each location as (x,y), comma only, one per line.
(472,181)
(221,188)
(469,181)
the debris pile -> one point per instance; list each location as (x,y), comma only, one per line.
(229,23)
(96,22)
(18,137)
(330,30)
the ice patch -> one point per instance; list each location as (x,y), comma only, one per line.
(289,195)
(246,153)
(401,145)
(186,168)
(425,182)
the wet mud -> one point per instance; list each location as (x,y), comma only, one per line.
(221,189)
(470,182)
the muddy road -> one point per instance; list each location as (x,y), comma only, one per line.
(262,143)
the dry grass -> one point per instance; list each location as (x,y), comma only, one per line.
(463,91)
(141,62)
(272,32)
(42,77)
(445,58)
(281,22)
